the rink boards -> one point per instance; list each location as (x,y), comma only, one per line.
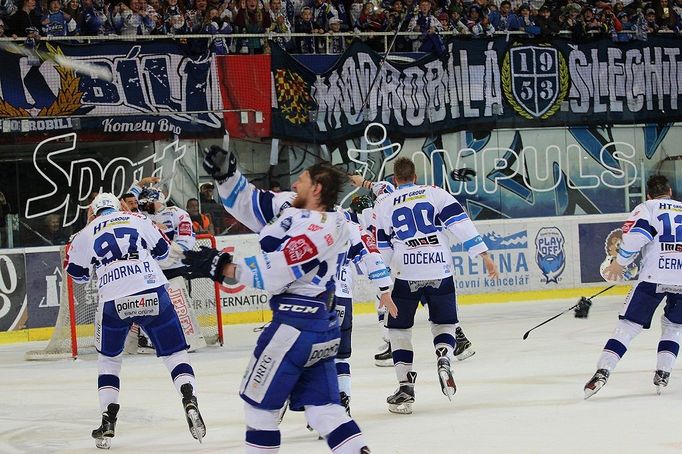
(538,259)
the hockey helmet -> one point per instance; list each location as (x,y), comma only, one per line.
(105,201)
(361,203)
(149,198)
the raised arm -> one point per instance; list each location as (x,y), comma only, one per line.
(249,205)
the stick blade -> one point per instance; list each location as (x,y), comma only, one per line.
(525,336)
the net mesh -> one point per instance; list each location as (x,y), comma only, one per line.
(84,301)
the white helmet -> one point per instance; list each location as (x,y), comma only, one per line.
(103,201)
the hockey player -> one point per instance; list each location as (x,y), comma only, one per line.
(416,250)
(301,251)
(176,224)
(124,248)
(383,358)
(344,289)
(652,229)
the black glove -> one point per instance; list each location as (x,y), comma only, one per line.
(220,164)
(207,262)
(463,174)
(583,307)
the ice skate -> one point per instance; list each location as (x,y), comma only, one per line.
(463,348)
(189,402)
(385,356)
(447,382)
(401,401)
(104,433)
(345,401)
(596,383)
(661,380)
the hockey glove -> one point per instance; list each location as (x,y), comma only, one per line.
(220,164)
(207,262)
(583,307)
(463,174)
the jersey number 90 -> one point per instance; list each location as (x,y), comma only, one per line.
(408,221)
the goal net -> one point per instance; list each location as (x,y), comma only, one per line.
(74,329)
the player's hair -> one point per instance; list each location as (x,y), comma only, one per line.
(332,181)
(403,170)
(127,195)
(657,185)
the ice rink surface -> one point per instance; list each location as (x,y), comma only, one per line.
(513,396)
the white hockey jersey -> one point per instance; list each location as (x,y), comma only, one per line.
(652,228)
(177,227)
(123,248)
(306,250)
(364,255)
(270,215)
(410,236)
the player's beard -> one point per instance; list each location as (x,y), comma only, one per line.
(299,201)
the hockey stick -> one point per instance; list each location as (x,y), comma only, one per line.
(525,336)
(383,60)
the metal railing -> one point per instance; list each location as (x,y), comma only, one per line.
(386,36)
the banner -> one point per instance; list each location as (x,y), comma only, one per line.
(153,84)
(12,292)
(245,89)
(44,286)
(598,247)
(479,85)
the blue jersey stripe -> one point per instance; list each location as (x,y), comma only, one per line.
(642,232)
(456,218)
(252,263)
(472,242)
(256,208)
(230,200)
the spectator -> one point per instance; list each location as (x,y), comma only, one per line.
(92,20)
(201,223)
(526,21)
(503,19)
(195,17)
(337,45)
(628,27)
(72,7)
(651,24)
(570,20)
(7,8)
(305,44)
(428,27)
(26,18)
(341,13)
(548,27)
(281,26)
(666,17)
(373,19)
(2,29)
(591,24)
(251,19)
(53,230)
(354,13)
(56,22)
(214,24)
(131,20)
(456,20)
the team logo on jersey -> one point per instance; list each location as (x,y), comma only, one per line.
(299,249)
(550,257)
(535,80)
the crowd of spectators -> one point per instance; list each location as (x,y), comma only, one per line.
(322,19)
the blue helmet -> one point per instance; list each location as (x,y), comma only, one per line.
(148,198)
